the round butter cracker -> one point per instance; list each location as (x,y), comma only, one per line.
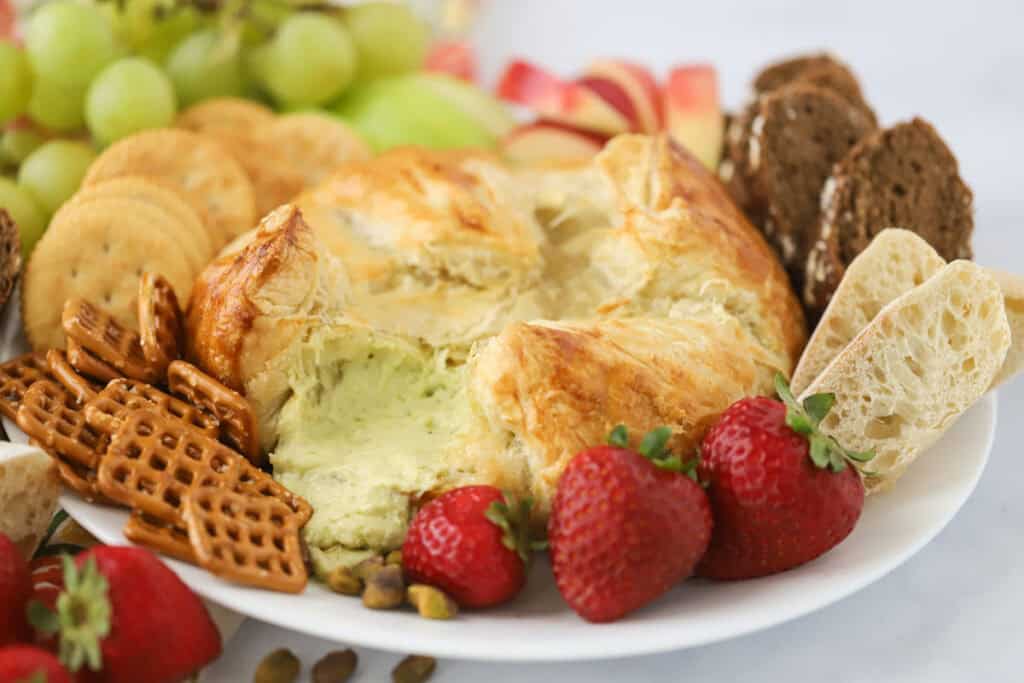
(97,251)
(224,114)
(202,170)
(314,144)
(160,196)
(275,178)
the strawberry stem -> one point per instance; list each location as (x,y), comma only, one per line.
(513,518)
(805,418)
(82,618)
(652,447)
(619,437)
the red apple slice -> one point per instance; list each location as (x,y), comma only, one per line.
(7,18)
(548,141)
(630,88)
(554,99)
(452,57)
(693,113)
(611,93)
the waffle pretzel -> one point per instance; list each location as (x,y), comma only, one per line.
(17,376)
(51,416)
(81,480)
(81,388)
(161,330)
(120,397)
(154,461)
(167,539)
(238,423)
(97,331)
(253,541)
(89,365)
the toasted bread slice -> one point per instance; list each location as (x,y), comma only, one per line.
(1013,296)
(924,360)
(29,486)
(895,262)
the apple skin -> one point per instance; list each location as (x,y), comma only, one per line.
(545,142)
(693,111)
(630,88)
(565,102)
(453,57)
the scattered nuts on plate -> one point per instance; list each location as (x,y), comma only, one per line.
(336,666)
(414,669)
(430,602)
(385,588)
(280,666)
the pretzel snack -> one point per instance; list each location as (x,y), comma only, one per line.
(238,422)
(161,330)
(17,376)
(119,398)
(253,541)
(99,332)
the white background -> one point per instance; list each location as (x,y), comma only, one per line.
(953,613)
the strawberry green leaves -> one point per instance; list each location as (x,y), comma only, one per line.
(652,447)
(805,417)
(513,518)
(82,618)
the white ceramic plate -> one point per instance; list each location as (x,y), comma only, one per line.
(538,625)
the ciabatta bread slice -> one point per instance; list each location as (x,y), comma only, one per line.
(29,485)
(895,262)
(1013,297)
(924,359)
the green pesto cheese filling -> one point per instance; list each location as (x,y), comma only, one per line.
(363,433)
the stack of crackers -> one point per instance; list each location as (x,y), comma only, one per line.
(131,424)
(168,200)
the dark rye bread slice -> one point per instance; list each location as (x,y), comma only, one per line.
(822,70)
(799,133)
(732,170)
(904,176)
(10,256)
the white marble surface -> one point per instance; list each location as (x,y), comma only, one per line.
(952,614)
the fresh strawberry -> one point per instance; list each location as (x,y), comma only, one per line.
(47,579)
(15,590)
(30,664)
(781,491)
(124,613)
(625,526)
(472,544)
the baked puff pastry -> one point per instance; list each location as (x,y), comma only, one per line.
(427,320)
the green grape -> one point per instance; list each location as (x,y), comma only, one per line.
(15,81)
(407,110)
(390,39)
(169,31)
(128,96)
(57,107)
(69,42)
(53,172)
(204,65)
(310,61)
(263,18)
(17,143)
(27,215)
(151,28)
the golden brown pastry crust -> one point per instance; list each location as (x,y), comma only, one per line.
(559,388)
(680,307)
